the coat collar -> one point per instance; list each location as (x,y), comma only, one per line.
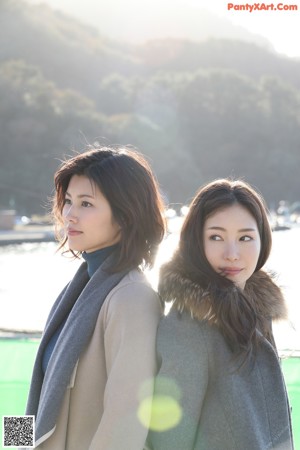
(187,295)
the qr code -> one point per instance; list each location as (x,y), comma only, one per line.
(18,431)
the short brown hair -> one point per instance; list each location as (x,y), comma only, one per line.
(126,180)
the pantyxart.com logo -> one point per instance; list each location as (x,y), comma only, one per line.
(250,7)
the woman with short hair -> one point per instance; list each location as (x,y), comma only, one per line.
(96,360)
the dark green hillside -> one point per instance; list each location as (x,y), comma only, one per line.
(38,123)
(198,110)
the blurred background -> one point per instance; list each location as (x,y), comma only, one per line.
(203,91)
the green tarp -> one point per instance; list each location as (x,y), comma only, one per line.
(16,361)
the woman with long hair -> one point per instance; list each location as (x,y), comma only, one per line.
(96,360)
(220,384)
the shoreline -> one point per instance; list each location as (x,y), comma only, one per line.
(29,233)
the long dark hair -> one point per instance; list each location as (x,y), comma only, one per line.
(231,309)
(125,178)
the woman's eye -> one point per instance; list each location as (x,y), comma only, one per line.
(67,201)
(246,238)
(86,204)
(215,237)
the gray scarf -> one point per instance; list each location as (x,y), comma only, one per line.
(81,301)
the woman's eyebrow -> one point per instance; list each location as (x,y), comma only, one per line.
(80,195)
(242,230)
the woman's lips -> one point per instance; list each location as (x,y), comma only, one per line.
(73,232)
(230,271)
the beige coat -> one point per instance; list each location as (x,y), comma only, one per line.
(106,406)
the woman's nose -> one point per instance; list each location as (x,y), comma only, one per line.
(231,251)
(69,213)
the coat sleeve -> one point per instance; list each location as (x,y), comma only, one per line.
(181,384)
(131,320)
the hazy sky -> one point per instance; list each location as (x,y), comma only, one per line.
(281,28)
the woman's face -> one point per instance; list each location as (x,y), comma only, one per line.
(88,218)
(232,243)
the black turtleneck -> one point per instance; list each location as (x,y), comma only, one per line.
(96,258)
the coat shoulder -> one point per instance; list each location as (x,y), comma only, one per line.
(135,293)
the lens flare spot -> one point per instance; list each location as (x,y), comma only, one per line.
(164,410)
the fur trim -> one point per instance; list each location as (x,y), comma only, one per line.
(176,287)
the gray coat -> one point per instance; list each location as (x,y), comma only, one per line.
(201,401)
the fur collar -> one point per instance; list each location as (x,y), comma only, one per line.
(187,295)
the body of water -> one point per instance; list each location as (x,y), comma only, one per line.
(32,275)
